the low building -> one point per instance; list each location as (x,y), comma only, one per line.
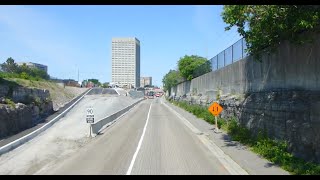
(71,82)
(144,81)
(34,65)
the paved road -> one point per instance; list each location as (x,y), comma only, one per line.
(63,139)
(149,139)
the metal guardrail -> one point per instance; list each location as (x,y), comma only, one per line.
(228,56)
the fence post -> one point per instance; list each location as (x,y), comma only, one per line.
(217,61)
(242,48)
(224,58)
(232,53)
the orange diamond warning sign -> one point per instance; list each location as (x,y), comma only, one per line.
(215,109)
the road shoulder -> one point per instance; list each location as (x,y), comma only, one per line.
(248,160)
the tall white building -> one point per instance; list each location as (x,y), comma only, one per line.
(126,61)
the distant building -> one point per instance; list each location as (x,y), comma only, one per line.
(71,82)
(145,81)
(34,65)
(126,62)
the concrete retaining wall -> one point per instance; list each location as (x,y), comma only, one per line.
(290,67)
(281,95)
(99,125)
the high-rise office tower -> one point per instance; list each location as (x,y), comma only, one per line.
(126,62)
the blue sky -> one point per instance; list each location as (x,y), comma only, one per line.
(68,38)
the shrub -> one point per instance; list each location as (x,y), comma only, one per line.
(10,102)
(273,150)
(24,75)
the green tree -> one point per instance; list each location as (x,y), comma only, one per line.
(105,85)
(24,68)
(38,73)
(189,66)
(171,79)
(9,66)
(84,82)
(23,71)
(95,81)
(265,26)
(24,75)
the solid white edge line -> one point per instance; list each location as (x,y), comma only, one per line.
(44,126)
(139,144)
(116,91)
(232,167)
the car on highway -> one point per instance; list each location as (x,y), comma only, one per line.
(150,95)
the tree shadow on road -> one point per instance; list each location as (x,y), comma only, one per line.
(269,165)
(228,142)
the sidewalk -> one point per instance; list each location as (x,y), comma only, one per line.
(248,160)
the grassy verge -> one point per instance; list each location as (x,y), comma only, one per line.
(274,151)
(56,91)
(21,76)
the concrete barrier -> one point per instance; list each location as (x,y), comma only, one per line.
(28,137)
(99,125)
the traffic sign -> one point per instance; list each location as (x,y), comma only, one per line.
(215,109)
(90,115)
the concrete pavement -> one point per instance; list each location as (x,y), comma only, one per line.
(63,139)
(161,142)
(249,161)
(154,137)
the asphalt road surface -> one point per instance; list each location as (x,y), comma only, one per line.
(149,139)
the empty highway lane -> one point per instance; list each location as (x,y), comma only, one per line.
(149,139)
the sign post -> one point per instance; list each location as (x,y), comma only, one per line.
(215,109)
(90,118)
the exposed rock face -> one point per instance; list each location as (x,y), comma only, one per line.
(287,115)
(31,107)
(290,115)
(14,120)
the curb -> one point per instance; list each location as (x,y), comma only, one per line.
(16,143)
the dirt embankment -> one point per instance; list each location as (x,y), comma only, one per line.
(62,95)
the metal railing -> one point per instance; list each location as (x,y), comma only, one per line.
(228,56)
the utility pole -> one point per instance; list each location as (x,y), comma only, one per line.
(78,75)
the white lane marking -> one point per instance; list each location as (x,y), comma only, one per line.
(226,161)
(116,91)
(139,144)
(44,126)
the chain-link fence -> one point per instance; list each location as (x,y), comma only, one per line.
(230,55)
